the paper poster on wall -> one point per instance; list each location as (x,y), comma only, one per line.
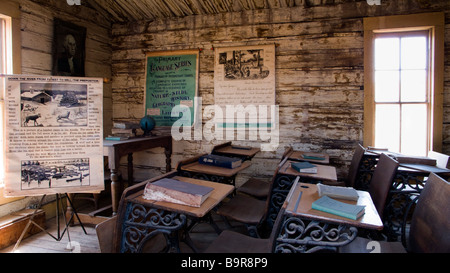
(53,135)
(244,80)
(171,85)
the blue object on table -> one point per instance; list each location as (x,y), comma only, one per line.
(147,124)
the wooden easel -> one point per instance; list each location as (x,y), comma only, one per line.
(59,206)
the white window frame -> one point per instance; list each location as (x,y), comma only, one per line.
(433,22)
(10,15)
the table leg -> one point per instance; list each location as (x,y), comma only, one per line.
(168,153)
(130,169)
(115,190)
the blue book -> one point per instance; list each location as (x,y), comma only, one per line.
(329,205)
(220,161)
(304,167)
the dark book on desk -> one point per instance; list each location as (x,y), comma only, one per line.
(329,205)
(313,156)
(220,161)
(304,167)
(178,192)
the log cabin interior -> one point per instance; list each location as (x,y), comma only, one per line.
(345,74)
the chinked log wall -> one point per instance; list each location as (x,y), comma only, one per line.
(319,72)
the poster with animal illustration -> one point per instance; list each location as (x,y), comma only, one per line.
(53,135)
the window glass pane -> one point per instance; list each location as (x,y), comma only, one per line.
(414,85)
(387,126)
(386,53)
(2,170)
(414,52)
(386,86)
(414,129)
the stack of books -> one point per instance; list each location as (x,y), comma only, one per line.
(220,161)
(123,130)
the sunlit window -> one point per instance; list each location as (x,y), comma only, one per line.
(5,68)
(401,84)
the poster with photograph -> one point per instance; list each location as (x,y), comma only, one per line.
(171,80)
(53,135)
(244,76)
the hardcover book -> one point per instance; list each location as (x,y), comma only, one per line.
(347,193)
(175,191)
(329,205)
(304,167)
(220,161)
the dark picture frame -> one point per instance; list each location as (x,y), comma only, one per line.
(68,49)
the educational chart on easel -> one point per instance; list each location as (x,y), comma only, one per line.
(53,135)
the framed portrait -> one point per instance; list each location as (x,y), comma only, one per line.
(68,49)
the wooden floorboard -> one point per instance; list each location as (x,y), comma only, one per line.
(44,243)
(202,235)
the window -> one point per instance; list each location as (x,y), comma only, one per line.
(5,68)
(10,63)
(403,83)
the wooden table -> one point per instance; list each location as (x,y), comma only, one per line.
(308,230)
(212,173)
(321,158)
(116,149)
(227,149)
(140,219)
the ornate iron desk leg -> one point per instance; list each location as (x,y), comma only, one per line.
(304,236)
(142,223)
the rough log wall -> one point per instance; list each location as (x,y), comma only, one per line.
(319,72)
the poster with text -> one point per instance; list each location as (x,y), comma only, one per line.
(244,81)
(171,81)
(53,135)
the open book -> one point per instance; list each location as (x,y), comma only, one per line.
(347,193)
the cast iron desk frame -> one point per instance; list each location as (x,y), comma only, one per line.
(407,185)
(306,230)
(139,220)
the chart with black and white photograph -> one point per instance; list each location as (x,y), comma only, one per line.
(53,135)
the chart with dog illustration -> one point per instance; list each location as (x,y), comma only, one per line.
(53,135)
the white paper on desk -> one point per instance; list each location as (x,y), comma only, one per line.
(53,135)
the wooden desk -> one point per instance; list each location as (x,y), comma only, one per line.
(324,172)
(300,156)
(116,149)
(235,151)
(307,230)
(408,183)
(140,219)
(212,173)
(285,178)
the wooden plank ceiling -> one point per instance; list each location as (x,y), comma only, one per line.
(122,11)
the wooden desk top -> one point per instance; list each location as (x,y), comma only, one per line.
(231,150)
(370,219)
(214,170)
(299,155)
(324,172)
(218,194)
